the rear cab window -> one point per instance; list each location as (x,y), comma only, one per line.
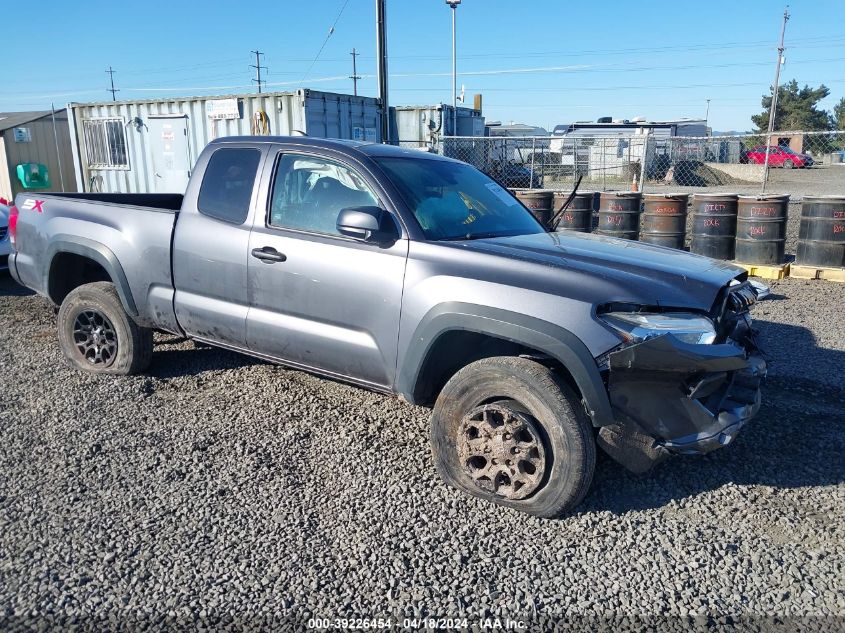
(227,184)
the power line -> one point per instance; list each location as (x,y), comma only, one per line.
(325,41)
(258,67)
(354,76)
(112,90)
(822,41)
(170,69)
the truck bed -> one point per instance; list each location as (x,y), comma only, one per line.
(128,235)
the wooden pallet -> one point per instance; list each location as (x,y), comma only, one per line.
(766,272)
(818,272)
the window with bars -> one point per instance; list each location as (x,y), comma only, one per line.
(105,143)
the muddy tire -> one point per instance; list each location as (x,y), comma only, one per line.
(96,334)
(509,430)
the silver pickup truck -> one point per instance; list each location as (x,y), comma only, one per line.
(416,275)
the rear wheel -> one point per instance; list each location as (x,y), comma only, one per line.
(97,335)
(509,430)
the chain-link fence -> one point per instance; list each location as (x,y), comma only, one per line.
(798,163)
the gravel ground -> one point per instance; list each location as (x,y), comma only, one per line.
(218,487)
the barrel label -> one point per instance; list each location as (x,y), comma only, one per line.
(838,215)
(615,206)
(838,228)
(711,222)
(664,210)
(568,217)
(763,211)
(757,231)
(713,206)
(613,219)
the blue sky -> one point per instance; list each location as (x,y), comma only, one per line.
(540,62)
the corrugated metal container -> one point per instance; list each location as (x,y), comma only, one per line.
(162,138)
(423,126)
(40,147)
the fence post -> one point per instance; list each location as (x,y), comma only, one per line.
(766,165)
(604,165)
(531,177)
(643,160)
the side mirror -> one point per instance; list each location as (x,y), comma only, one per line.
(368,224)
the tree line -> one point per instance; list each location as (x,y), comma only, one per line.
(797,109)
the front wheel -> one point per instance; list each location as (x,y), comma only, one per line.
(97,335)
(788,164)
(509,430)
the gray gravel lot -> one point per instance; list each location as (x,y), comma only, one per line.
(220,487)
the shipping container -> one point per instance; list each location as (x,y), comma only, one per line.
(150,145)
(424,126)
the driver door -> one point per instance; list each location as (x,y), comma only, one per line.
(318,299)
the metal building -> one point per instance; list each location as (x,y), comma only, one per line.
(35,152)
(151,145)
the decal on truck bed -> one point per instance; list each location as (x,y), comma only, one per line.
(33,205)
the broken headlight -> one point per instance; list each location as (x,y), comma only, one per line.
(636,327)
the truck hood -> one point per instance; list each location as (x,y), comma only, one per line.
(623,270)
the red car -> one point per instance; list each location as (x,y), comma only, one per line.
(779,156)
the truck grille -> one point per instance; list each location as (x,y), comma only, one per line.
(741,298)
(735,321)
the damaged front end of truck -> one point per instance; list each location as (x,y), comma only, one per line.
(681,383)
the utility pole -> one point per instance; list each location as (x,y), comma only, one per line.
(774,107)
(707,116)
(381,68)
(454,4)
(112,90)
(258,67)
(354,76)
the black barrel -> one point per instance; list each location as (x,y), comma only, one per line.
(579,215)
(714,224)
(619,214)
(761,229)
(821,236)
(538,201)
(664,219)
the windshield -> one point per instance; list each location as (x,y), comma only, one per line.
(454,201)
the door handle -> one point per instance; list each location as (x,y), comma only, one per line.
(268,254)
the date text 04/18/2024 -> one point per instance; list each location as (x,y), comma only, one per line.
(415,624)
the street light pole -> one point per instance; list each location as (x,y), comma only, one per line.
(454,4)
(707,116)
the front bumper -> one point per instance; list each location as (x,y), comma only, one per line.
(671,397)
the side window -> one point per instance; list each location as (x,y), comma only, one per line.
(309,192)
(227,184)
